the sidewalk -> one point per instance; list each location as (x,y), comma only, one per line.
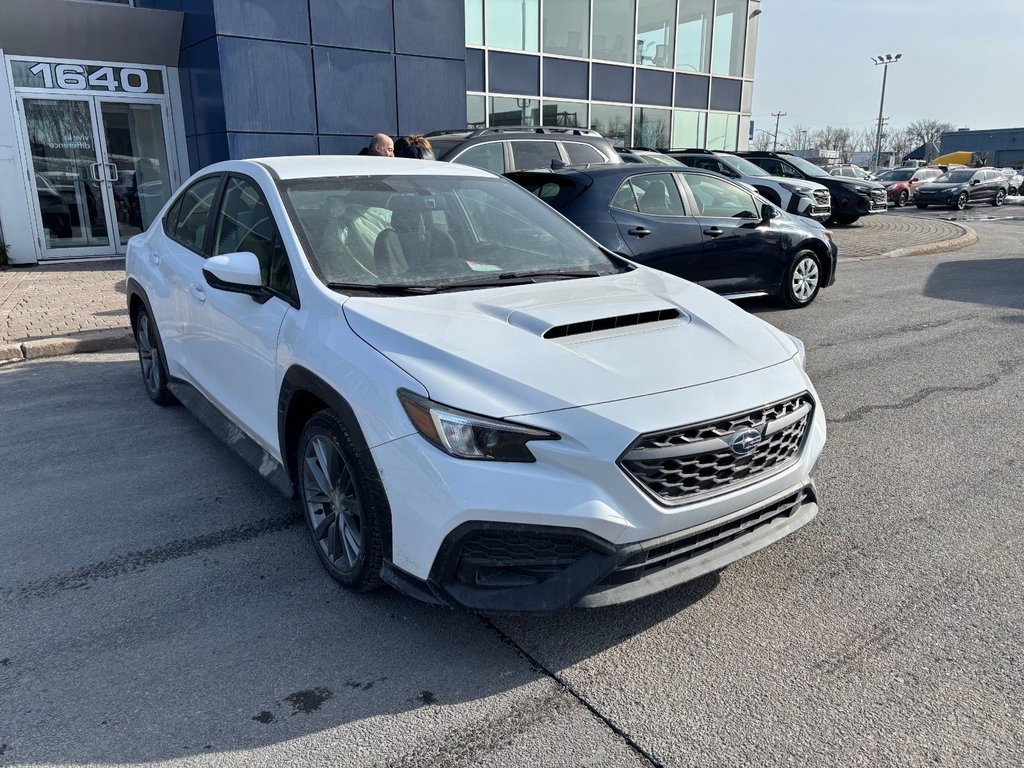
(53,310)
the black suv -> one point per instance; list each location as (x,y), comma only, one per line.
(522,147)
(851,198)
(958,187)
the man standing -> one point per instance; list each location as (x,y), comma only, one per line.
(380,145)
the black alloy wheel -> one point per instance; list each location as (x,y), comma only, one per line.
(902,199)
(154,370)
(802,280)
(961,202)
(343,513)
(999,198)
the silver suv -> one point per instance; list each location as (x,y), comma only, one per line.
(522,147)
(796,196)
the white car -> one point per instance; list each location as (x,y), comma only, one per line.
(471,399)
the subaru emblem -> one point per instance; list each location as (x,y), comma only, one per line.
(744,441)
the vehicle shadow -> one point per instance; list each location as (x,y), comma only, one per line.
(161,601)
(992,282)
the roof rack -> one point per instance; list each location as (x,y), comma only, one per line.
(690,151)
(472,133)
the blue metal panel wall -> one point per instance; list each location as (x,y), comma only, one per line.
(264,77)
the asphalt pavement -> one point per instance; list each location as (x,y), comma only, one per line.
(160,603)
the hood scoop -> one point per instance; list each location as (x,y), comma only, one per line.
(611,323)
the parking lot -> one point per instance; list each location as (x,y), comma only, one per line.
(160,603)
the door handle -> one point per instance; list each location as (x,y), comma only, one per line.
(639,231)
(94,171)
(113,172)
(714,232)
(198,292)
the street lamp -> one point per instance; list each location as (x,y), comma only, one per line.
(885,61)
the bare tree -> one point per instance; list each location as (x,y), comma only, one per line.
(832,137)
(923,131)
(795,138)
(762,140)
(899,141)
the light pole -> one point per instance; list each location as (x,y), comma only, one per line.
(885,61)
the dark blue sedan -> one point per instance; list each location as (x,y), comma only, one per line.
(696,225)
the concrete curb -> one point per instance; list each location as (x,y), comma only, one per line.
(55,346)
(967,237)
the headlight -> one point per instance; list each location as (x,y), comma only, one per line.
(468,436)
(801,353)
(798,190)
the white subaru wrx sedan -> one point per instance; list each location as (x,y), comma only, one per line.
(471,399)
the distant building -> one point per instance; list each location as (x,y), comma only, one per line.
(927,152)
(1000,147)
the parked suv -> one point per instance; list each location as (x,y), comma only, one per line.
(850,171)
(851,198)
(516,148)
(802,198)
(958,187)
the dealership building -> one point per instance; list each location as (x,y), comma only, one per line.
(107,106)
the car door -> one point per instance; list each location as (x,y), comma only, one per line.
(179,253)
(234,343)
(652,220)
(741,254)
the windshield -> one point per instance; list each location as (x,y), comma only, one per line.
(744,167)
(897,175)
(809,168)
(432,232)
(955,177)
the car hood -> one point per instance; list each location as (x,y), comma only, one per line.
(861,185)
(939,186)
(793,182)
(524,349)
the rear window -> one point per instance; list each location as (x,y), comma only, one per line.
(556,191)
(582,154)
(528,155)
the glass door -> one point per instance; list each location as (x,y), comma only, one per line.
(134,163)
(69,176)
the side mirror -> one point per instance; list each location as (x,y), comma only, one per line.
(975,181)
(767,214)
(236,273)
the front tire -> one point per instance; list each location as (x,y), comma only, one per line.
(999,198)
(902,199)
(961,202)
(151,360)
(802,280)
(344,513)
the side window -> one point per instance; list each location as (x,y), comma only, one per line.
(581,154)
(720,199)
(657,194)
(194,213)
(171,219)
(624,198)
(489,156)
(245,223)
(533,154)
(773,166)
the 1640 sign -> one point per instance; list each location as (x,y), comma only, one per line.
(86,77)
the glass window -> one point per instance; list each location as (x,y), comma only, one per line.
(567,28)
(657,194)
(655,20)
(476,111)
(693,35)
(777,167)
(190,229)
(571,114)
(624,198)
(534,154)
(611,122)
(581,154)
(474,22)
(513,24)
(719,199)
(730,34)
(613,30)
(492,227)
(688,129)
(489,156)
(245,223)
(651,127)
(722,130)
(510,111)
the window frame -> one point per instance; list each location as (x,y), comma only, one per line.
(504,154)
(214,206)
(685,202)
(716,178)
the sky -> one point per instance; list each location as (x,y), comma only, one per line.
(963,62)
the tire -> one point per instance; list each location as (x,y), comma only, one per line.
(151,359)
(999,198)
(802,280)
(922,206)
(1013,191)
(902,199)
(961,202)
(331,476)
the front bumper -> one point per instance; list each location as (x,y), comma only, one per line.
(498,537)
(818,208)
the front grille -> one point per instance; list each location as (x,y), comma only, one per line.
(659,555)
(685,463)
(822,197)
(878,195)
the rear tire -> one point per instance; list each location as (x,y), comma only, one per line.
(345,514)
(151,359)
(802,280)
(902,199)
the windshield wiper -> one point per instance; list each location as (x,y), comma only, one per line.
(387,288)
(520,278)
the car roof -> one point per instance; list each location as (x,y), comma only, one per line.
(326,166)
(604,171)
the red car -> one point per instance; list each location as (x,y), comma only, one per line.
(901,183)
